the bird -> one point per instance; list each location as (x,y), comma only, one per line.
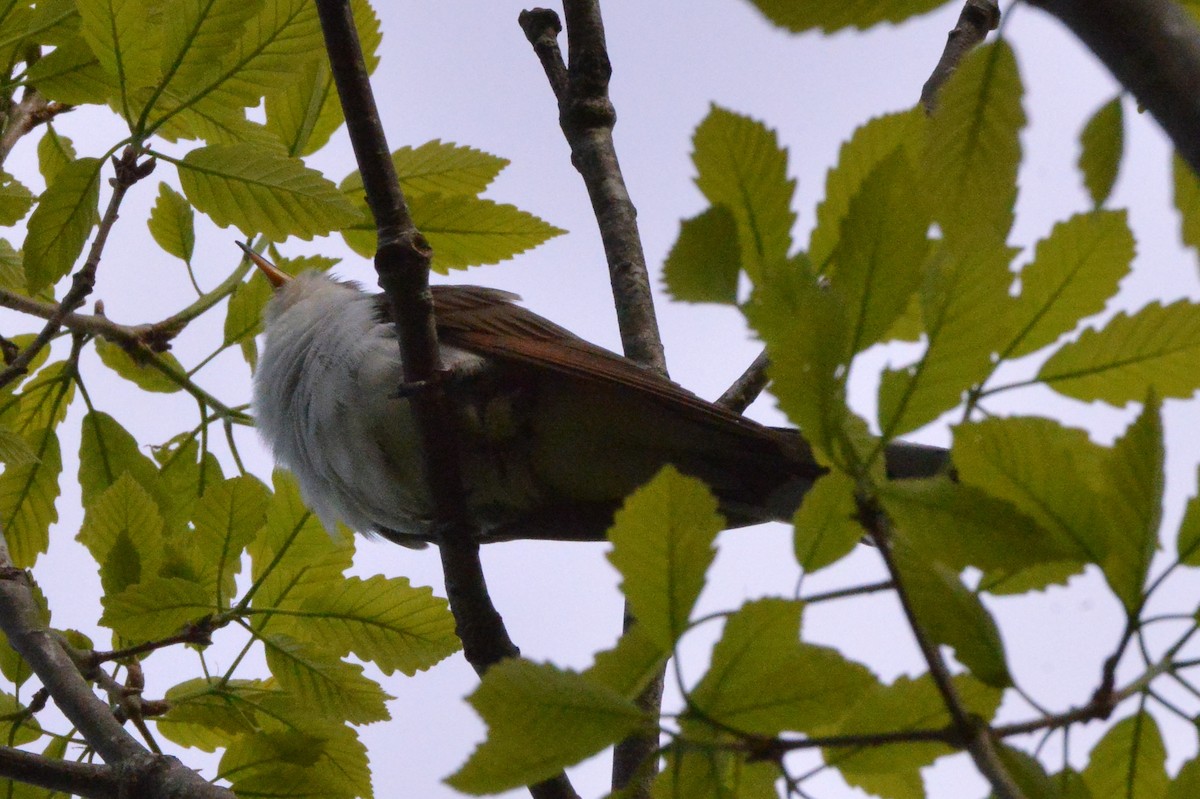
(554,432)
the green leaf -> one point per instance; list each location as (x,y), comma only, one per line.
(628,666)
(326,761)
(71,74)
(740,165)
(869,145)
(293,557)
(960,525)
(208,713)
(966,309)
(663,545)
(1187,201)
(1101,144)
(1187,782)
(27,495)
(705,261)
(973,148)
(437,167)
(171,223)
(14,449)
(54,22)
(540,719)
(1156,347)
(146,376)
(1074,272)
(17,728)
(807,338)
(196,39)
(463,230)
(54,153)
(386,621)
(123,530)
(1129,761)
(1027,773)
(1133,504)
(699,770)
(826,529)
(905,705)
(15,200)
(155,608)
(262,191)
(953,616)
(307,112)
(62,222)
(831,15)
(225,520)
(1188,541)
(1054,474)
(763,680)
(334,689)
(876,265)
(126,37)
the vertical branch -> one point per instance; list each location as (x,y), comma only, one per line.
(978,17)
(586,116)
(402,262)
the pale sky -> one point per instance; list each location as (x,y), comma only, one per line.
(463,72)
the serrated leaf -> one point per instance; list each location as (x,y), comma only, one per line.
(807,338)
(123,530)
(224,522)
(217,124)
(1054,474)
(1187,782)
(326,761)
(61,223)
(1101,144)
(870,144)
(463,230)
(336,690)
(705,261)
(15,200)
(144,375)
(967,317)
(1027,773)
(960,526)
(826,529)
(973,148)
(830,15)
(208,713)
(27,496)
(54,153)
(951,615)
(389,622)
(906,704)
(628,666)
(763,680)
(740,165)
(196,37)
(155,608)
(16,726)
(1187,201)
(71,74)
(14,449)
(126,37)
(1133,504)
(307,112)
(1074,272)
(438,167)
(876,265)
(700,770)
(171,223)
(663,545)
(53,22)
(262,191)
(292,557)
(1188,541)
(45,397)
(1156,347)
(540,719)
(1129,761)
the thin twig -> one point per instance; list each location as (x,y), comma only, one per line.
(128,172)
(402,262)
(978,17)
(746,388)
(32,110)
(843,593)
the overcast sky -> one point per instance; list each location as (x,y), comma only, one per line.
(463,72)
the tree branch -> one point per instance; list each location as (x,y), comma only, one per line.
(1153,48)
(746,388)
(77,779)
(32,110)
(977,18)
(128,172)
(402,263)
(136,770)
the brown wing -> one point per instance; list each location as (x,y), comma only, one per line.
(488,322)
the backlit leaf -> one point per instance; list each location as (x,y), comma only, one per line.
(1101,144)
(171,223)
(61,223)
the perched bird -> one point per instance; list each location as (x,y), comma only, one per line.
(554,431)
